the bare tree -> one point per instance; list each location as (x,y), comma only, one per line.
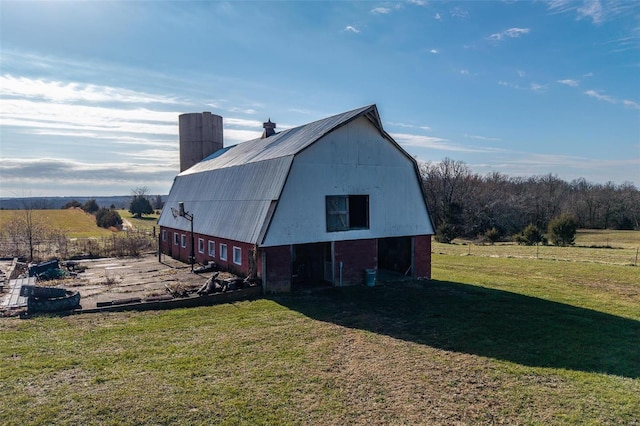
(141,191)
(26,231)
(447,186)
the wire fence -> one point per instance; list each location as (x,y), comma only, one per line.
(604,254)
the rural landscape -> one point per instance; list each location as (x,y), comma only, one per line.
(320,213)
(504,333)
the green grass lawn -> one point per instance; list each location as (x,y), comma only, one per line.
(145,223)
(494,338)
(488,341)
(597,246)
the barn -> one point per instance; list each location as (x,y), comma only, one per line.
(328,202)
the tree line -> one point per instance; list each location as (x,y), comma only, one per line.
(467,204)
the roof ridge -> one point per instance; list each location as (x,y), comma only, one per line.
(282,144)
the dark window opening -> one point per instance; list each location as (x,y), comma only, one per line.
(345,212)
(395,254)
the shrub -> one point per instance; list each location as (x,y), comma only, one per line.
(106,218)
(90,206)
(492,235)
(562,230)
(72,204)
(531,236)
(445,233)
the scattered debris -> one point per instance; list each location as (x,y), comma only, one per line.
(49,299)
(218,284)
(210,266)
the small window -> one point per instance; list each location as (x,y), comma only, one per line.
(237,255)
(223,252)
(164,235)
(176,238)
(184,241)
(345,212)
(200,245)
(212,248)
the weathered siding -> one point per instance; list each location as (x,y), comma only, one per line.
(353,159)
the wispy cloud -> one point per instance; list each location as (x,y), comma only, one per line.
(248,111)
(631,104)
(459,12)
(482,138)
(380,10)
(42,115)
(509,84)
(63,177)
(600,96)
(421,141)
(610,99)
(536,87)
(532,164)
(351,29)
(510,33)
(533,86)
(418,2)
(463,72)
(623,44)
(434,51)
(58,91)
(409,126)
(595,10)
(437,17)
(568,82)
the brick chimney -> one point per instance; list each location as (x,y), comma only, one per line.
(268,129)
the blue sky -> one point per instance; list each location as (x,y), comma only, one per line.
(90,92)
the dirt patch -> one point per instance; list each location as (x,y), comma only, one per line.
(110,279)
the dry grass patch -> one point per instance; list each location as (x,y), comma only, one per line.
(75,223)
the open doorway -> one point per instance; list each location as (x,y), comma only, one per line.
(311,265)
(394,254)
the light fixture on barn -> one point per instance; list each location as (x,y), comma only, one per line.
(189,216)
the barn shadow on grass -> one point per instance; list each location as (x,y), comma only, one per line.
(481,321)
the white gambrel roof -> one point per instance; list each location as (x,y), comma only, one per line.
(232,193)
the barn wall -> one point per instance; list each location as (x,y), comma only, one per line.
(356,256)
(278,269)
(182,253)
(422,256)
(353,159)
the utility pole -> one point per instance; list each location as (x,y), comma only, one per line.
(189,216)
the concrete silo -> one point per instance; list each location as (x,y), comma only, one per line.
(200,136)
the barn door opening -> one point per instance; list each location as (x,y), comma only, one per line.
(395,255)
(309,264)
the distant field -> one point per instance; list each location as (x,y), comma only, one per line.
(146,223)
(600,246)
(78,224)
(75,222)
(487,341)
